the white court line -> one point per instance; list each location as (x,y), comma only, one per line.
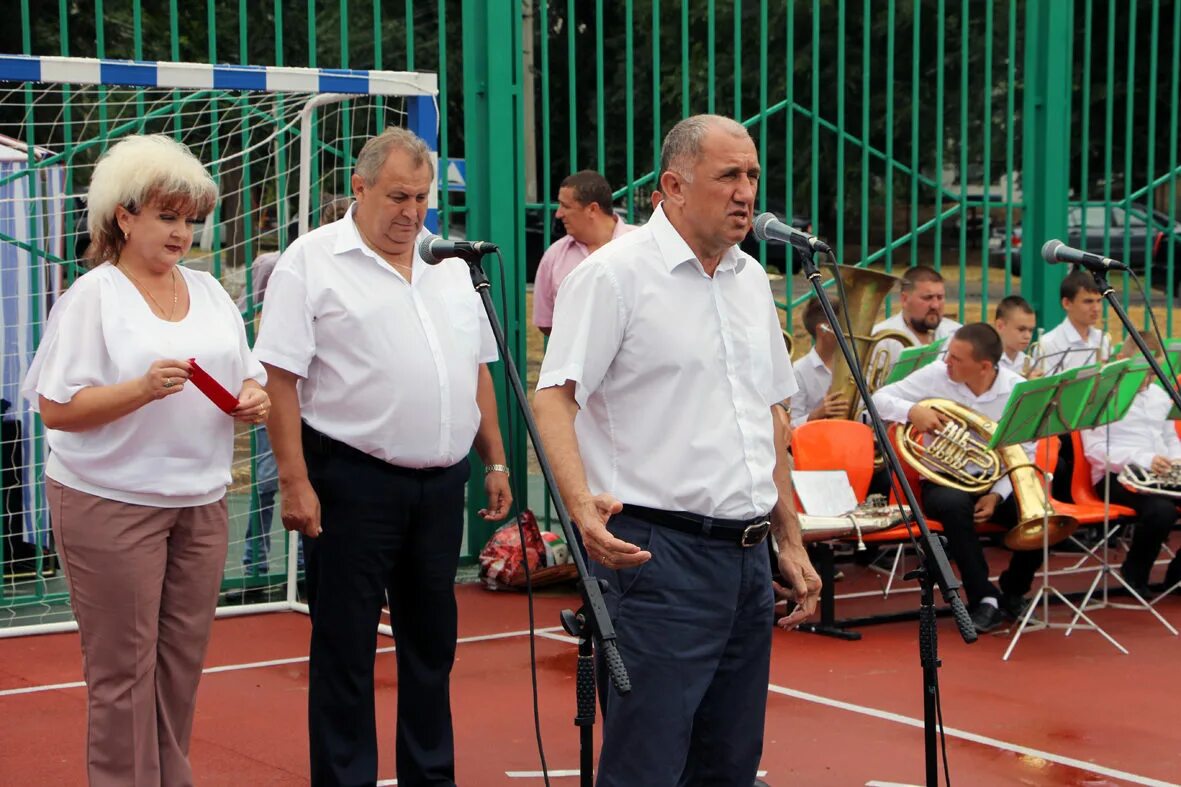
(545,632)
(551,633)
(909,721)
(555,774)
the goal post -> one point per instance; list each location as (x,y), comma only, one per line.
(280,142)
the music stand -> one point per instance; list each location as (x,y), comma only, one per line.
(914,358)
(1039,409)
(1115,391)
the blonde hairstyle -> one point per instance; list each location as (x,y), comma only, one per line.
(135,172)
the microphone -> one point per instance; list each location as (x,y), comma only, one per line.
(434,249)
(1055,251)
(769,228)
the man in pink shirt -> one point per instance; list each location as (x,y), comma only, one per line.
(584,208)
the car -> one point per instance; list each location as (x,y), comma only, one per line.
(1132,223)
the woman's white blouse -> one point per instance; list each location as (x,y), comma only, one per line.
(172,452)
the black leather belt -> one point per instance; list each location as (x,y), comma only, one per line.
(744,532)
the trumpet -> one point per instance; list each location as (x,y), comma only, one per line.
(958,456)
(1143,481)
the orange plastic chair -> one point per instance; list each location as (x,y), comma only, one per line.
(1083,491)
(836,445)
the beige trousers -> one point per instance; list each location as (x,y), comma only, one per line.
(143,584)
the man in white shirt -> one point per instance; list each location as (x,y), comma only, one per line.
(970,377)
(1145,438)
(379,376)
(813,402)
(1077,341)
(920,312)
(1015,322)
(654,402)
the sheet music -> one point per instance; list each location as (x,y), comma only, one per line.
(824,492)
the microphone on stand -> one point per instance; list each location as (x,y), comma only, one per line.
(1055,252)
(768,228)
(434,249)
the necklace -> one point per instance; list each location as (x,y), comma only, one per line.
(151,297)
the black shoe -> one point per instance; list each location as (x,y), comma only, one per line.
(1138,582)
(986,617)
(1014,605)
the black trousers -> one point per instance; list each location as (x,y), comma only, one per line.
(1155,517)
(954,509)
(389,533)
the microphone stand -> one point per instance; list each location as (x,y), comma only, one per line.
(1100,276)
(934,568)
(591,624)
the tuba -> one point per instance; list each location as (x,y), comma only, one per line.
(865,292)
(951,453)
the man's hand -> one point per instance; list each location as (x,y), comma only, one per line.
(500,496)
(301,507)
(985,507)
(796,568)
(591,515)
(924,419)
(834,405)
(1161,465)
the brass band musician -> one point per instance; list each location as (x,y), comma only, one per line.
(1015,322)
(814,401)
(1145,438)
(920,313)
(969,376)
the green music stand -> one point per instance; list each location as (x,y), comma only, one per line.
(914,358)
(1112,396)
(1037,409)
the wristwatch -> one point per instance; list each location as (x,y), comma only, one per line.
(496,469)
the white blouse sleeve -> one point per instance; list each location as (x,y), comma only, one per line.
(72,354)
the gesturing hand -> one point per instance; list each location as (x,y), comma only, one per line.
(592,514)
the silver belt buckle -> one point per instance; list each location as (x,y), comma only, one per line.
(754,534)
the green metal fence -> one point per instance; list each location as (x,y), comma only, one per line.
(905,131)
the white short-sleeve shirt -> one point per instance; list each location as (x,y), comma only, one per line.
(1064,348)
(1142,434)
(897,322)
(814,379)
(389,367)
(173,452)
(675,374)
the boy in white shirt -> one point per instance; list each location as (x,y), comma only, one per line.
(1077,341)
(814,402)
(1015,322)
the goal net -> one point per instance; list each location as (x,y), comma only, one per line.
(280,143)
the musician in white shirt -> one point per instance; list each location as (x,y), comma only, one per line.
(920,312)
(655,404)
(1015,322)
(1077,341)
(970,377)
(378,367)
(813,401)
(1142,437)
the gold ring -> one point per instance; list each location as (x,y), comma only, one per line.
(168,382)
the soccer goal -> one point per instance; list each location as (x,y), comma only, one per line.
(281,143)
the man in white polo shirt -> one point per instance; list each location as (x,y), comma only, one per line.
(380,386)
(654,402)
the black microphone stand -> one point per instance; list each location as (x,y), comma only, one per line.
(1100,276)
(933,566)
(591,624)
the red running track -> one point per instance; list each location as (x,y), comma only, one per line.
(1061,712)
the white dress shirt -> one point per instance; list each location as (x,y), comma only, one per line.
(814,380)
(1016,364)
(898,322)
(931,382)
(389,367)
(175,452)
(675,374)
(1143,433)
(1064,348)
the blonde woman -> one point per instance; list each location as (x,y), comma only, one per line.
(139,458)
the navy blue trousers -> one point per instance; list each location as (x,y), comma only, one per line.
(694,626)
(391,534)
